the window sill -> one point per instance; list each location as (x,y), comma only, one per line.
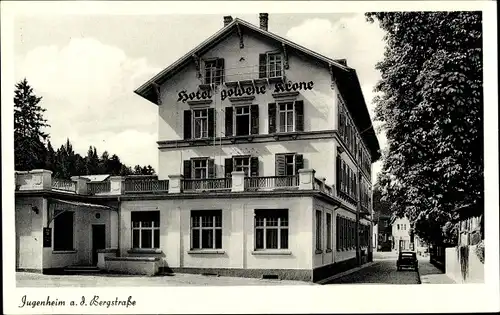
(206,252)
(319,251)
(272,252)
(329,250)
(145,251)
(72,251)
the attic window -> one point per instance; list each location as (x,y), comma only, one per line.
(214,71)
(270,65)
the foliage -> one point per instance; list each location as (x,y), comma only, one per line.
(31,152)
(430,105)
(29,137)
(380,207)
(480,251)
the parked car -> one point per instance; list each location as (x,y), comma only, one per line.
(407,259)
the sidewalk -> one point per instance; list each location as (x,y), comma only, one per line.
(430,274)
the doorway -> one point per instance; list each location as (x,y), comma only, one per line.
(98,240)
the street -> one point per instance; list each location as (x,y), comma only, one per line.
(383,271)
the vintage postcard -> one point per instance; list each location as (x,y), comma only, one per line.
(249,157)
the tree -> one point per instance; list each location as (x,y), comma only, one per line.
(92,161)
(29,137)
(430,106)
(380,206)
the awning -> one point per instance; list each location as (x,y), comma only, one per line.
(83,204)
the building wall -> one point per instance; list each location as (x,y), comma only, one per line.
(341,255)
(401,234)
(29,234)
(324,257)
(83,218)
(313,152)
(237,234)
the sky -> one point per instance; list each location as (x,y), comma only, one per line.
(86,68)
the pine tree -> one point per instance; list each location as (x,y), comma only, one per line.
(29,137)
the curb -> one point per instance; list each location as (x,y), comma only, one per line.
(345,273)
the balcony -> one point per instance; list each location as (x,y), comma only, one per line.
(271,183)
(176,184)
(65,185)
(207,184)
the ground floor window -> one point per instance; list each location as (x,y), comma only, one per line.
(328,231)
(271,229)
(206,229)
(145,229)
(63,230)
(319,230)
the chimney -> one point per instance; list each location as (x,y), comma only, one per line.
(227,19)
(264,18)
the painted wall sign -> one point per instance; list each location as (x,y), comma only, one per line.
(184,96)
(47,237)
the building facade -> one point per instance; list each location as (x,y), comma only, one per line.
(384,233)
(265,153)
(401,234)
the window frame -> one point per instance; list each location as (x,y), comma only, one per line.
(265,227)
(215,215)
(235,119)
(275,59)
(194,167)
(211,64)
(329,234)
(319,230)
(247,166)
(287,113)
(204,119)
(153,228)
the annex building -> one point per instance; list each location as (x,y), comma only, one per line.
(265,151)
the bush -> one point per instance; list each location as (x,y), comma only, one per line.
(480,251)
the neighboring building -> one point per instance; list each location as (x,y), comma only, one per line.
(265,153)
(384,233)
(401,234)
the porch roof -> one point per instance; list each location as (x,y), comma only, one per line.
(83,204)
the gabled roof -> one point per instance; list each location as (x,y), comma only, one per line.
(347,79)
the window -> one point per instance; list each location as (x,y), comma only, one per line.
(288,164)
(242,120)
(200,168)
(319,231)
(274,65)
(145,229)
(206,229)
(242,164)
(200,122)
(386,223)
(271,229)
(328,231)
(63,230)
(214,71)
(398,226)
(286,117)
(346,181)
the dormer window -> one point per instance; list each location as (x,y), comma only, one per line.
(270,65)
(214,71)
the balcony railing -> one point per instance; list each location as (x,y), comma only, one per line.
(207,184)
(145,185)
(63,184)
(324,188)
(271,182)
(98,188)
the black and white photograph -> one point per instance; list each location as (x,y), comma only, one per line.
(329,156)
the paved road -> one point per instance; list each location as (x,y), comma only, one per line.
(381,272)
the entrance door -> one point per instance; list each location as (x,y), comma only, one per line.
(401,245)
(98,240)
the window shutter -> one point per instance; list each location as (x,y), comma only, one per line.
(280,164)
(187,169)
(337,242)
(229,121)
(211,122)
(211,168)
(299,115)
(220,70)
(272,118)
(254,118)
(228,167)
(262,66)
(187,124)
(338,172)
(299,162)
(254,166)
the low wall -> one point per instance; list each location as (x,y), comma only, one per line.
(102,254)
(133,265)
(473,270)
